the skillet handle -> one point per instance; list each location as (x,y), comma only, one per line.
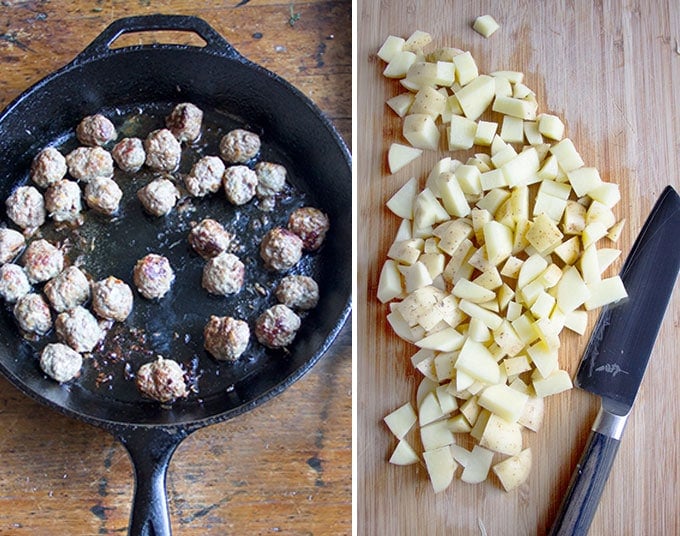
(145,23)
(150,450)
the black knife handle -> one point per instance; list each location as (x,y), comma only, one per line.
(585,488)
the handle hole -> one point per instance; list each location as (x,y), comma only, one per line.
(155,37)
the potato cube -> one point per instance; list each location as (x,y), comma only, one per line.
(549,169)
(406,251)
(544,234)
(475,360)
(498,240)
(476,96)
(615,230)
(453,196)
(543,305)
(543,357)
(401,103)
(521,169)
(516,365)
(512,129)
(485,25)
(461,133)
(436,435)
(417,41)
(440,467)
(523,109)
(574,218)
(514,77)
(531,133)
(493,179)
(592,233)
(603,292)
(401,203)
(504,155)
(472,292)
(556,382)
(503,86)
(390,47)
(421,131)
(551,126)
(446,73)
(501,436)
(571,290)
(401,420)
(470,408)
(469,179)
(584,179)
(606,193)
(512,267)
(399,64)
(514,471)
(567,157)
(429,101)
(466,68)
(400,155)
(576,321)
(551,206)
(389,284)
(486,130)
(404,454)
(503,401)
(507,339)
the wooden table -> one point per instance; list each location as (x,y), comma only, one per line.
(610,70)
(285,467)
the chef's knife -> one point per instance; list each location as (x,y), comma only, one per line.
(616,357)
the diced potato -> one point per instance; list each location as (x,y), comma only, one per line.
(615,231)
(469,179)
(466,68)
(453,196)
(514,471)
(512,129)
(440,466)
(498,240)
(401,420)
(475,360)
(436,435)
(523,109)
(476,96)
(549,169)
(516,365)
(461,133)
(501,436)
(389,284)
(429,409)
(400,155)
(421,131)
(458,424)
(404,454)
(551,206)
(584,179)
(604,292)
(576,321)
(503,401)
(490,319)
(472,292)
(532,416)
(401,103)
(574,220)
(544,234)
(446,340)
(429,101)
(485,25)
(401,203)
(567,156)
(592,233)
(446,400)
(521,168)
(477,465)
(606,193)
(390,47)
(503,86)
(543,357)
(531,133)
(556,382)
(417,41)
(493,199)
(551,126)
(399,64)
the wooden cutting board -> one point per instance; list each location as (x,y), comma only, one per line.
(612,73)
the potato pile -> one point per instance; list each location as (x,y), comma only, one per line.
(493,259)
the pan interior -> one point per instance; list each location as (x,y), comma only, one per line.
(173,326)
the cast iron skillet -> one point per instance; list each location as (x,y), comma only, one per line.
(137,86)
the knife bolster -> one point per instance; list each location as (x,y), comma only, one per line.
(609,424)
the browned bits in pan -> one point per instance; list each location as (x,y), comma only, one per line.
(162,380)
(226,338)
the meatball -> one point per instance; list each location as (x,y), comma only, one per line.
(185,121)
(62,201)
(69,289)
(11,243)
(239,184)
(162,380)
(311,225)
(26,207)
(95,130)
(298,292)
(163,151)
(277,326)
(226,338)
(209,238)
(79,329)
(33,314)
(60,362)
(129,154)
(13,282)
(158,197)
(112,299)
(103,195)
(239,146)
(271,178)
(48,166)
(88,163)
(223,274)
(42,261)
(280,249)
(205,177)
(153,276)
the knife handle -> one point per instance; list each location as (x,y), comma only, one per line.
(585,488)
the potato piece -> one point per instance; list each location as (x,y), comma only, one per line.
(399,64)
(404,454)
(615,231)
(514,471)
(477,465)
(556,382)
(584,179)
(401,203)
(401,420)
(512,129)
(446,340)
(436,435)
(466,68)
(389,284)
(531,133)
(550,126)
(485,25)
(461,133)
(501,436)
(567,156)
(475,360)
(453,196)
(400,155)
(469,179)
(498,240)
(604,292)
(520,108)
(417,41)
(472,292)
(475,97)
(532,416)
(401,103)
(522,168)
(441,467)
(421,131)
(544,234)
(503,401)
(429,101)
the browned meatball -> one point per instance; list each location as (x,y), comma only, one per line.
(226,338)
(26,207)
(69,289)
(42,261)
(95,130)
(112,299)
(277,326)
(298,292)
(129,154)
(209,238)
(311,225)
(205,177)
(239,184)
(163,151)
(62,201)
(162,380)
(48,166)
(88,163)
(185,122)
(79,329)
(271,178)
(33,314)
(11,243)
(223,274)
(60,362)
(280,249)
(158,197)
(103,195)
(13,282)
(153,276)
(239,146)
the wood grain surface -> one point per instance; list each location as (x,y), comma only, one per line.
(611,70)
(285,467)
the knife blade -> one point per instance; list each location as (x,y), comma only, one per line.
(617,354)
